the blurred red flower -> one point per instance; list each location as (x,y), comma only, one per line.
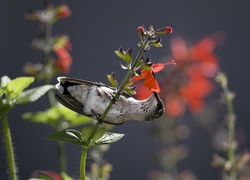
(64,59)
(190,82)
(63,11)
(61,47)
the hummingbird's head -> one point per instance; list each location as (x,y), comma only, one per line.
(156,108)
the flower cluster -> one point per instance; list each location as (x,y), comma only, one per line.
(190,82)
(48,44)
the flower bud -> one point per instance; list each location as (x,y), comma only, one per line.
(166,30)
(140,31)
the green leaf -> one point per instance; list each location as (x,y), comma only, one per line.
(17,85)
(128,57)
(112,80)
(85,133)
(49,116)
(99,133)
(58,113)
(139,63)
(4,109)
(130,90)
(33,94)
(109,137)
(147,67)
(65,176)
(70,136)
(120,53)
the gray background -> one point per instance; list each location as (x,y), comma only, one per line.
(96,29)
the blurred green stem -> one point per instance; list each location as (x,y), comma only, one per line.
(48,27)
(9,149)
(229,96)
(116,96)
(231,135)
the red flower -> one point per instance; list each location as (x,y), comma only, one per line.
(64,59)
(61,47)
(148,75)
(63,11)
(190,82)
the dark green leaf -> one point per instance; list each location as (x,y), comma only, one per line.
(70,136)
(109,138)
(33,94)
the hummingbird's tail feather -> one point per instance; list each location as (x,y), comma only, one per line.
(70,102)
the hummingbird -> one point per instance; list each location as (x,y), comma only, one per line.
(92,98)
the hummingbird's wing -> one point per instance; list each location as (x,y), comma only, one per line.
(80,81)
(70,102)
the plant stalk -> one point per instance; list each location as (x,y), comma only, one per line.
(116,96)
(231,136)
(48,28)
(9,149)
(83,163)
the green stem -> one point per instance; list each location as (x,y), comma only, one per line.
(229,96)
(231,136)
(83,163)
(46,53)
(116,96)
(9,148)
(61,157)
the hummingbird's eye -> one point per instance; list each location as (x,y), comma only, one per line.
(159,105)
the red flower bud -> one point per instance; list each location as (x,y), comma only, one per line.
(166,30)
(140,31)
(169,30)
(63,11)
(140,28)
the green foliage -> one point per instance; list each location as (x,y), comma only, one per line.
(81,138)
(109,137)
(33,94)
(13,92)
(17,85)
(67,117)
(125,55)
(112,80)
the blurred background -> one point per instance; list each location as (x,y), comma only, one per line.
(96,29)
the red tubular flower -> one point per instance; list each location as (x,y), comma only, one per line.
(150,80)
